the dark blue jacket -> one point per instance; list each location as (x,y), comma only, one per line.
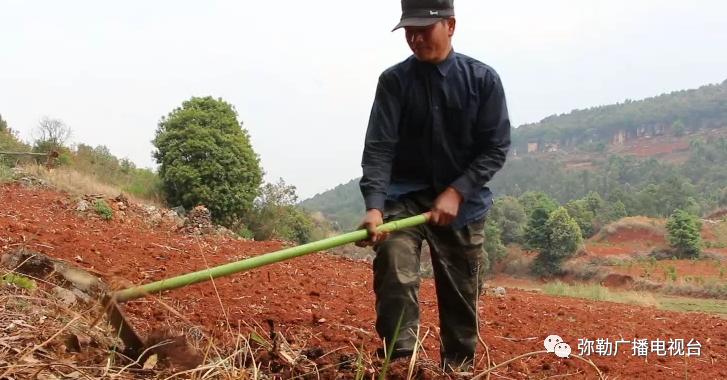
(435,126)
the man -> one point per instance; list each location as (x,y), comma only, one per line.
(438,131)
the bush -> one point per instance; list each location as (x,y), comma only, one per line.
(10,142)
(19,281)
(684,234)
(580,212)
(103,209)
(510,217)
(536,235)
(563,240)
(205,157)
(275,214)
(6,175)
(496,251)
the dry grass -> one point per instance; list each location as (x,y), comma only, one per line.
(641,224)
(38,335)
(599,293)
(77,183)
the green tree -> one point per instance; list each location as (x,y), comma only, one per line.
(722,201)
(684,234)
(3,125)
(532,200)
(536,234)
(563,240)
(594,202)
(580,211)
(678,128)
(205,157)
(496,251)
(509,216)
(276,215)
(610,213)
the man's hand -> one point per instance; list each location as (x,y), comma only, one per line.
(373,218)
(446,207)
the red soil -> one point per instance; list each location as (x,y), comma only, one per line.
(625,240)
(636,235)
(326,301)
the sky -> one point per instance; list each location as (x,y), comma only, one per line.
(302,75)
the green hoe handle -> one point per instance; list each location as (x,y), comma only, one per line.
(258,261)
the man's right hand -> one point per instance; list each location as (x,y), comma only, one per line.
(373,219)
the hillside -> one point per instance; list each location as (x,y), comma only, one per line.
(625,152)
(592,129)
(343,204)
(297,317)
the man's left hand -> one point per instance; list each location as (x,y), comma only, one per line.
(446,207)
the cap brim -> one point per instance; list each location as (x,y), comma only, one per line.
(417,21)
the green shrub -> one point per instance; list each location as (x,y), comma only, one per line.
(496,251)
(684,234)
(670,273)
(144,183)
(103,209)
(6,175)
(563,237)
(19,281)
(275,214)
(245,233)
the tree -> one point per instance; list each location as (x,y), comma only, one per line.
(580,211)
(684,234)
(50,135)
(496,251)
(563,240)
(205,157)
(610,213)
(678,128)
(509,216)
(532,200)
(722,201)
(536,234)
(275,214)
(3,125)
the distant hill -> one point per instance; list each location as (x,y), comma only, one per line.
(592,129)
(343,205)
(672,142)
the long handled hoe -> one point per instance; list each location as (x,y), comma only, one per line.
(133,341)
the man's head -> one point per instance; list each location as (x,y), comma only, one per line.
(429,26)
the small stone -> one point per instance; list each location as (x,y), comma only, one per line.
(65,296)
(499,291)
(322,320)
(78,342)
(82,205)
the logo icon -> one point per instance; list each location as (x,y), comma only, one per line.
(562,350)
(556,345)
(434,13)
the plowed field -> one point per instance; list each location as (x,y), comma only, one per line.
(325,301)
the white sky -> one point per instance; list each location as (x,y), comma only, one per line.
(302,74)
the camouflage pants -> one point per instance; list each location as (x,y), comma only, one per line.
(459,263)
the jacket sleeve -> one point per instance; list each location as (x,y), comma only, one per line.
(492,139)
(382,136)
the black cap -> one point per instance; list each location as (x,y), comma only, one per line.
(424,12)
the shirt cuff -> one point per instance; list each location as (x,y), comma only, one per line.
(465,186)
(375,200)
